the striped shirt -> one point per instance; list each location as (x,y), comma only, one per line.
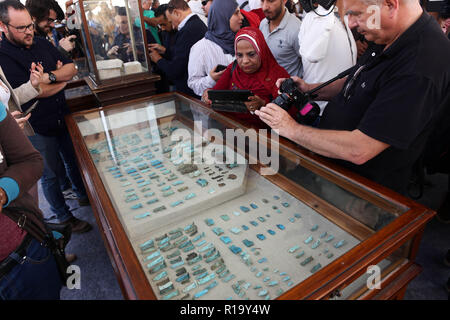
(205,55)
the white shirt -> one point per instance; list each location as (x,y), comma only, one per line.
(205,55)
(5,94)
(196,7)
(327,47)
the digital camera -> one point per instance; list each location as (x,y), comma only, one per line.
(308,111)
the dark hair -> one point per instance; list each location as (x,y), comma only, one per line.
(161,10)
(177,4)
(40,9)
(121,11)
(5,5)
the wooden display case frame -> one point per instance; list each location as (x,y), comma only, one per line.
(403,234)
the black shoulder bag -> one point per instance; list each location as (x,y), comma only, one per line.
(54,238)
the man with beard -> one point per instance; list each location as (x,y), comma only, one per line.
(44,14)
(18,50)
(280,29)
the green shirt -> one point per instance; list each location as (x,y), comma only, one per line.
(153,30)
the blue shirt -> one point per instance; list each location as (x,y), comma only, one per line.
(48,117)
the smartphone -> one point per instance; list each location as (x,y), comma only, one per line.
(220,67)
(33,106)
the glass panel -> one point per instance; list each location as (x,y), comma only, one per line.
(82,68)
(118,51)
(77,23)
(365,212)
(204,223)
(368,280)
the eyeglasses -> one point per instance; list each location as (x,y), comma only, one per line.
(22,29)
(205,2)
(349,86)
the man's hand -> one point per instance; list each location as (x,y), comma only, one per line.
(59,65)
(155,56)
(157,47)
(301,84)
(129,48)
(278,119)
(20,120)
(66,44)
(216,75)
(36,75)
(113,51)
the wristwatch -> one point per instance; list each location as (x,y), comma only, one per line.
(51,77)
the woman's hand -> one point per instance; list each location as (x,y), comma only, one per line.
(20,120)
(254,103)
(205,97)
(216,75)
(36,75)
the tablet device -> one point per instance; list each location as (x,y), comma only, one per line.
(229,100)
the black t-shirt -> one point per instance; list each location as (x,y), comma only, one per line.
(48,117)
(394,100)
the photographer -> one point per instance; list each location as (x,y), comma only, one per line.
(379,118)
(44,14)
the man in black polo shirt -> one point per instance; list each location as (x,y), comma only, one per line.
(379,118)
(18,49)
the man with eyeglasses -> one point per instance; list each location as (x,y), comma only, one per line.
(44,14)
(206,4)
(380,117)
(18,49)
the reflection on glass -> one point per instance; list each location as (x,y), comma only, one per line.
(118,43)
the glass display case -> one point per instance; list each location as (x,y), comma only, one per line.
(114,37)
(115,41)
(195,205)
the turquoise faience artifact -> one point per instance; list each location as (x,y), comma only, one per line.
(225,239)
(315,244)
(306,261)
(316,267)
(339,244)
(260,236)
(308,240)
(244,209)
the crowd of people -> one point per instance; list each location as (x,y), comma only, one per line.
(374,120)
